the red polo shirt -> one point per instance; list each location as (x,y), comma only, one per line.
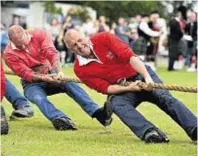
(114,56)
(3,86)
(41,51)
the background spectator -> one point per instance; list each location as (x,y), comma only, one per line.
(102,24)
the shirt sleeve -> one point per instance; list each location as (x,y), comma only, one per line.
(19,68)
(97,84)
(120,49)
(48,49)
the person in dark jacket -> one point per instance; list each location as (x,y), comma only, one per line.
(177,45)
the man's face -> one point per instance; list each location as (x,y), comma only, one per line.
(154,17)
(146,19)
(138,18)
(121,21)
(78,44)
(22,41)
(193,17)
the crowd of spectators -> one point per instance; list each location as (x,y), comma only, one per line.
(149,35)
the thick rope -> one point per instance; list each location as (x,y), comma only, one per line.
(71,79)
(143,85)
(146,86)
(153,86)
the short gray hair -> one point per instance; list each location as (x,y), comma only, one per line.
(69,34)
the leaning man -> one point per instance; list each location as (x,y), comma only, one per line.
(33,57)
(103,60)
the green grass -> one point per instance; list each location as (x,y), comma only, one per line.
(37,137)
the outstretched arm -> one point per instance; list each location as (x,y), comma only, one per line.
(139,66)
(116,89)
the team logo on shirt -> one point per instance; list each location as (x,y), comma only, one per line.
(110,55)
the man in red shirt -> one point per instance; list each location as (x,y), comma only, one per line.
(103,60)
(4,122)
(33,57)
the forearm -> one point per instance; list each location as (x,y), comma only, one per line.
(44,78)
(52,55)
(37,77)
(116,89)
(139,66)
(56,64)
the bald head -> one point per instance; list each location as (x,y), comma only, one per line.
(15,32)
(77,43)
(69,36)
(18,36)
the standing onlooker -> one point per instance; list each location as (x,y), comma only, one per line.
(191,29)
(67,24)
(159,24)
(113,27)
(87,28)
(177,45)
(54,28)
(96,25)
(138,19)
(122,30)
(102,24)
(143,42)
(65,54)
(16,20)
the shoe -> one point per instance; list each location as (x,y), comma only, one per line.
(155,136)
(4,122)
(23,112)
(172,70)
(194,135)
(105,122)
(191,69)
(103,115)
(63,124)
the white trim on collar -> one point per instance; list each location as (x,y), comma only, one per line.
(13,46)
(84,61)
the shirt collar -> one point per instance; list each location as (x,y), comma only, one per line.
(14,47)
(84,61)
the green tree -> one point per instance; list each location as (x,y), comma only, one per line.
(51,8)
(79,12)
(115,9)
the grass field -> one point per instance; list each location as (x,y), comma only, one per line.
(37,137)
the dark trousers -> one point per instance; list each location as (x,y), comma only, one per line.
(171,62)
(124,106)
